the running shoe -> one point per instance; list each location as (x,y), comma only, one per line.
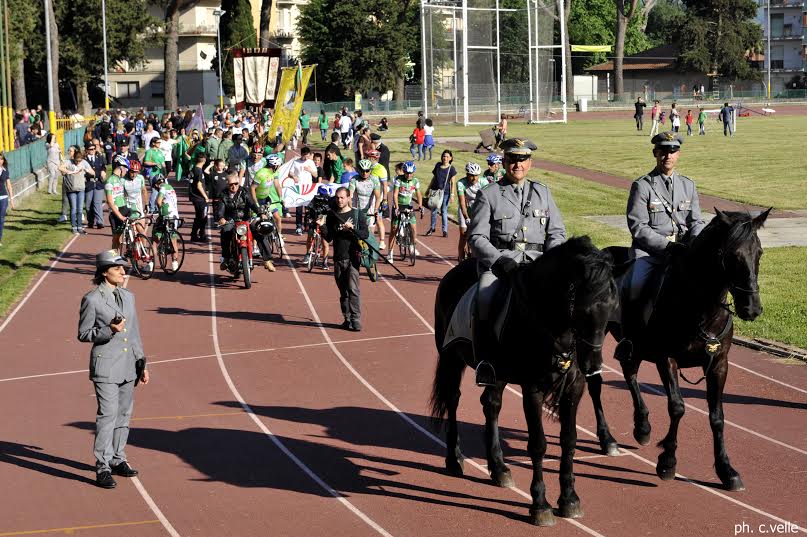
(174,265)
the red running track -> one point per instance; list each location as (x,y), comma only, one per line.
(264,418)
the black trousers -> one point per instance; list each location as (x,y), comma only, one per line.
(305,136)
(199,219)
(346,274)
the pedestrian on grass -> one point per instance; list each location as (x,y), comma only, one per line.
(6,194)
(638,115)
(675,118)
(702,122)
(428,139)
(726,114)
(323,124)
(344,227)
(54,159)
(689,120)
(655,116)
(305,126)
(108,320)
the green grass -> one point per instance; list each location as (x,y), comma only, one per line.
(30,239)
(763,164)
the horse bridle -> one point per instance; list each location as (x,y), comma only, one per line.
(733,287)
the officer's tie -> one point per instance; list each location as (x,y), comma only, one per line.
(519,196)
(118,299)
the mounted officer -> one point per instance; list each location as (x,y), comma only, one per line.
(663,215)
(512,223)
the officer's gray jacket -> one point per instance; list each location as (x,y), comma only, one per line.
(113,355)
(495,217)
(649,206)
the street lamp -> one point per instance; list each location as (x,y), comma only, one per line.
(51,112)
(106,73)
(218,14)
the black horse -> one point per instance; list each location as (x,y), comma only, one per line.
(691,326)
(557,321)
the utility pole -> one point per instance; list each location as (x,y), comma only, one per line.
(6,115)
(218,13)
(768,52)
(106,61)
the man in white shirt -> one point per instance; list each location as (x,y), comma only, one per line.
(344,128)
(304,172)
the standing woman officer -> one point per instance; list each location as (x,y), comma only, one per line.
(108,320)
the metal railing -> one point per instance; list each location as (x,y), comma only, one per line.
(33,156)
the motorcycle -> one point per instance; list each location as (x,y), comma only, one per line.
(240,249)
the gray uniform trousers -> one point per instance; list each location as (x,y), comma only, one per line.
(92,203)
(347,280)
(115,403)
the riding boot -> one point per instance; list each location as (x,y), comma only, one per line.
(484,344)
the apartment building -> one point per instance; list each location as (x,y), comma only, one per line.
(788,37)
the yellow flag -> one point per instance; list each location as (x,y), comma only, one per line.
(290,97)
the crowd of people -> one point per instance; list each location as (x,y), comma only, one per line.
(658,118)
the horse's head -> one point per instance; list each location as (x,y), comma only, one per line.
(739,255)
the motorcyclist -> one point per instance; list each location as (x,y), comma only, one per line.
(235,205)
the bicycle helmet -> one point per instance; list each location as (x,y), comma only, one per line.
(493,158)
(135,166)
(409,167)
(157,178)
(373,153)
(365,165)
(473,168)
(274,161)
(121,161)
(257,149)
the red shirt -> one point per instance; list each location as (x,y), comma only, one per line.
(689,119)
(420,135)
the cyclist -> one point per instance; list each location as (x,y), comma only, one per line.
(116,198)
(495,170)
(467,187)
(134,190)
(235,205)
(153,162)
(380,171)
(365,193)
(266,189)
(258,163)
(315,214)
(406,188)
(169,210)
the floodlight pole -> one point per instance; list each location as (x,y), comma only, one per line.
(218,14)
(106,60)
(498,68)
(423,58)
(454,39)
(529,58)
(562,20)
(465,62)
(768,53)
(51,112)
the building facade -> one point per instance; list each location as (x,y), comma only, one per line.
(788,54)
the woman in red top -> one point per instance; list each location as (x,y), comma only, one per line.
(417,139)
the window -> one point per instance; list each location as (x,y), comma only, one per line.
(777,24)
(128,90)
(157,88)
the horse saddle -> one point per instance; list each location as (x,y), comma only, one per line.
(461,326)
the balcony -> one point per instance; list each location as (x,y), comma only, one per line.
(281,33)
(782,3)
(205,29)
(787,36)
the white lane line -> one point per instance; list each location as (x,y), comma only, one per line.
(154,509)
(234,353)
(684,478)
(389,403)
(37,284)
(282,447)
(659,392)
(768,378)
(142,490)
(727,422)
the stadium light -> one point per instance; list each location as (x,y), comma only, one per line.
(218,13)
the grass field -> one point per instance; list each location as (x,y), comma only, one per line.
(763,164)
(30,239)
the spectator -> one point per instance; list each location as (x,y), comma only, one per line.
(638,115)
(442,179)
(383,125)
(21,130)
(323,124)
(689,119)
(344,128)
(6,194)
(675,118)
(167,148)
(75,171)
(416,140)
(305,126)
(428,138)
(224,145)
(655,118)
(54,159)
(94,189)
(65,216)
(702,122)
(726,114)
(150,134)
(364,144)
(349,173)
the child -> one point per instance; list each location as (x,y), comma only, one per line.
(320,171)
(702,122)
(689,119)
(349,173)
(662,117)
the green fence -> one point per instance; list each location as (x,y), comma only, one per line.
(33,156)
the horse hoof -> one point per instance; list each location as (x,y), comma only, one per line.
(665,473)
(734,484)
(503,479)
(543,518)
(643,438)
(611,449)
(455,468)
(571,510)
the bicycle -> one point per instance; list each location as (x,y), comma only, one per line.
(315,253)
(165,245)
(275,244)
(136,247)
(406,235)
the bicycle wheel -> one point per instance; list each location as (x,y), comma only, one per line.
(402,238)
(277,246)
(168,247)
(410,238)
(141,256)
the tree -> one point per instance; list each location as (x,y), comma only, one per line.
(83,58)
(173,8)
(265,22)
(589,24)
(54,52)
(626,11)
(237,31)
(719,36)
(665,20)
(22,23)
(371,55)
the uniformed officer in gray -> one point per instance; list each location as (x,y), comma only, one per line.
(663,215)
(108,320)
(513,222)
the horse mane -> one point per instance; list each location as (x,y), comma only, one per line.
(740,230)
(595,266)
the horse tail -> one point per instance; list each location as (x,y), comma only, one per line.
(446,386)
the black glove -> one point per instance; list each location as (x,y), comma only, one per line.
(503,267)
(674,249)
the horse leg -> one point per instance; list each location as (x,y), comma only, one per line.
(607,443)
(668,371)
(540,510)
(445,400)
(715,381)
(491,405)
(569,502)
(641,425)
(455,462)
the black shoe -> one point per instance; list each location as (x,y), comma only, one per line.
(430,233)
(345,325)
(99,226)
(124,470)
(445,234)
(204,238)
(194,239)
(223,265)
(355,326)
(105,480)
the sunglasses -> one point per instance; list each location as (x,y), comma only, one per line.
(232,184)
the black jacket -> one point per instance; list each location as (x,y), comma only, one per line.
(236,207)
(345,242)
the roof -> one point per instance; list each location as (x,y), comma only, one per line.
(663,57)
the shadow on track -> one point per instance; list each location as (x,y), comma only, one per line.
(33,458)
